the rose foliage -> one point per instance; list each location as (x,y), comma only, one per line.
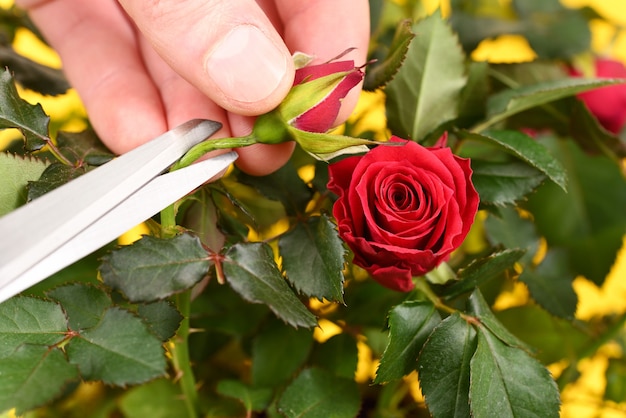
(419,260)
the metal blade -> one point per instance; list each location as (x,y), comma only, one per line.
(37,229)
(154,196)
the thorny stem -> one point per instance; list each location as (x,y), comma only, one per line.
(179,347)
(207,146)
(180,344)
(180,356)
(55,151)
(422,285)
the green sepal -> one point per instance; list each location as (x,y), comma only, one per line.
(305,96)
(328,146)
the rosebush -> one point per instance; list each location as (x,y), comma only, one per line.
(403,209)
(366,277)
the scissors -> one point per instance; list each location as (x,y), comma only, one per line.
(70,222)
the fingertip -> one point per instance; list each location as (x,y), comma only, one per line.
(263,159)
(250,70)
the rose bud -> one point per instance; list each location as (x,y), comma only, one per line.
(608,104)
(311,108)
(403,209)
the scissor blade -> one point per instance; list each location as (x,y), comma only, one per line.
(147,201)
(37,229)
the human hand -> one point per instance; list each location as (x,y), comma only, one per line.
(146,66)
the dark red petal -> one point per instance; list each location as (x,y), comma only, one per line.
(312,72)
(340,174)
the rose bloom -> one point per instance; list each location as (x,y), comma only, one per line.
(608,104)
(402,209)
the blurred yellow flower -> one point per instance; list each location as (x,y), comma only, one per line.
(504,49)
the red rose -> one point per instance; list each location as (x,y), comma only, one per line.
(608,104)
(403,209)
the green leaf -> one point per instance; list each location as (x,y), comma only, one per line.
(509,229)
(370,303)
(425,92)
(478,307)
(230,214)
(338,354)
(83,147)
(526,149)
(55,175)
(473,99)
(552,338)
(410,324)
(162,318)
(16,171)
(219,308)
(253,399)
(31,74)
(502,184)
(83,304)
(507,380)
(25,320)
(482,270)
(567,31)
(17,113)
(550,284)
(473,24)
(444,368)
(316,393)
(32,376)
(589,221)
(509,102)
(120,351)
(590,135)
(278,352)
(201,217)
(379,74)
(530,8)
(615,380)
(312,255)
(283,185)
(155,268)
(158,399)
(251,271)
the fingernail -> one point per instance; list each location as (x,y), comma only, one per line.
(246,65)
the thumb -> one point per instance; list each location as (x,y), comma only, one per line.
(229,50)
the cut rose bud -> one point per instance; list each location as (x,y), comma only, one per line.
(311,108)
(329,84)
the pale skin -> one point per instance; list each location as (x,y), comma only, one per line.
(142,67)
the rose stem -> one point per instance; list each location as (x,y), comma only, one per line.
(422,285)
(180,344)
(180,356)
(179,347)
